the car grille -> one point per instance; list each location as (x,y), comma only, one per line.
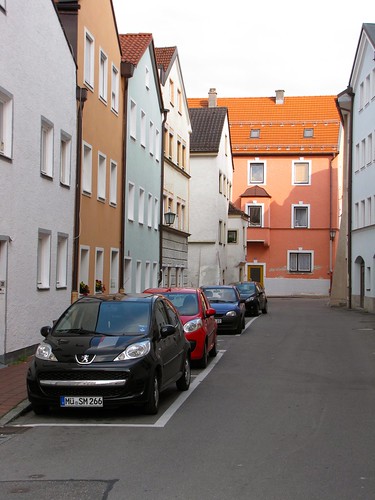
(83,375)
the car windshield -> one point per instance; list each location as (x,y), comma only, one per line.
(108,318)
(220,294)
(185,303)
(246,287)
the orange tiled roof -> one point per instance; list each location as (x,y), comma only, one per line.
(164,56)
(133,46)
(281,126)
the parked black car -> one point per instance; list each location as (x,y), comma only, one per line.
(253,295)
(108,351)
(229,310)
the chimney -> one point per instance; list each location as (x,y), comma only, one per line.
(212,98)
(279,96)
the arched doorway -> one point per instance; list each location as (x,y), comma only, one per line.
(360,279)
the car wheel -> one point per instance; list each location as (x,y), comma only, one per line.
(202,363)
(243,323)
(256,310)
(183,383)
(265,308)
(39,409)
(213,352)
(152,405)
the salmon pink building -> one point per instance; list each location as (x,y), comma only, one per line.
(287,179)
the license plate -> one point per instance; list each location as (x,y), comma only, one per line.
(218,320)
(81,401)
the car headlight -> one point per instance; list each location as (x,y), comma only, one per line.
(134,351)
(193,325)
(231,313)
(250,299)
(44,351)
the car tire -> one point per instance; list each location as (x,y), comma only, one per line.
(256,310)
(152,405)
(265,308)
(202,363)
(39,409)
(183,383)
(213,352)
(238,330)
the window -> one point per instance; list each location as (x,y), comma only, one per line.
(65,159)
(300,262)
(102,175)
(156,213)
(103,75)
(113,184)
(147,78)
(89,60)
(138,276)
(151,139)
(44,259)
(179,101)
(255,213)
(363,153)
(301,172)
(61,261)
(46,148)
(141,206)
(256,173)
(114,271)
(220,182)
(171,92)
(220,232)
(300,216)
(232,236)
(183,157)
(149,210)
(357,158)
(143,128)
(87,169)
(179,151)
(133,120)
(114,89)
(131,197)
(369,149)
(6,123)
(84,263)
(170,144)
(99,266)
(255,133)
(361,95)
(308,132)
(157,145)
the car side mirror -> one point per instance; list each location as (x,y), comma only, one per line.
(45,330)
(210,312)
(167,330)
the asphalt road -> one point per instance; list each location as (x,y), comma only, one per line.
(285,412)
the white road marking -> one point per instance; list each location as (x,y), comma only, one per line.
(164,418)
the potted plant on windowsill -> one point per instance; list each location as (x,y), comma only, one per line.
(84,289)
(99,286)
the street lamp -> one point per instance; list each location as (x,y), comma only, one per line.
(169,217)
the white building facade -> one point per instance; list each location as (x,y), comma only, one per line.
(37,171)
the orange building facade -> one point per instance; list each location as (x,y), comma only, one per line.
(287,179)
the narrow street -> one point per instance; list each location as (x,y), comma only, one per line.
(286,412)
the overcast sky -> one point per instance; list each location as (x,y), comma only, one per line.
(248,48)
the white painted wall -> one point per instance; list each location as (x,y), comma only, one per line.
(38,70)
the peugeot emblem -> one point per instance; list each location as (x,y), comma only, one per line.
(84,359)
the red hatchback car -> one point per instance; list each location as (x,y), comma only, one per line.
(198,318)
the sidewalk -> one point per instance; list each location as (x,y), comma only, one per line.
(13,393)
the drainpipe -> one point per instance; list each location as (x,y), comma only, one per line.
(161,208)
(81,97)
(350,197)
(331,234)
(127,71)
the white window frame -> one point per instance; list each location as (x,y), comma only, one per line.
(138,276)
(295,207)
(89,45)
(147,78)
(62,261)
(84,265)
(131,200)
(156,214)
(113,184)
(103,76)
(46,147)
(151,138)
(65,158)
(99,266)
(133,120)
(114,270)
(295,163)
(86,168)
(141,206)
(251,179)
(249,206)
(149,210)
(44,259)
(102,177)
(300,252)
(6,123)
(115,89)
(157,145)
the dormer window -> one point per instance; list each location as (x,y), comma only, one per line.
(308,132)
(255,133)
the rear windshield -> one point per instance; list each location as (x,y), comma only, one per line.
(109,318)
(246,287)
(220,294)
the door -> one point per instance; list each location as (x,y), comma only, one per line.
(3,288)
(255,273)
